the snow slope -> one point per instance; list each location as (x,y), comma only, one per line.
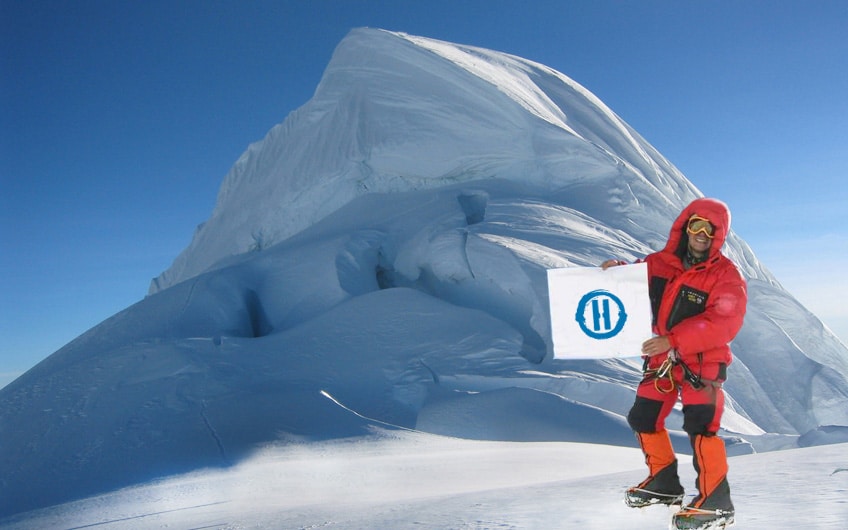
(395,113)
(388,244)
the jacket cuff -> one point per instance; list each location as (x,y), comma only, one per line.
(672,341)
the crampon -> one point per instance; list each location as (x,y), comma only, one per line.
(639,498)
(698,519)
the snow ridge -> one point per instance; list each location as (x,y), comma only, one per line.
(395,113)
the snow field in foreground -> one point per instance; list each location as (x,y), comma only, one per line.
(415,480)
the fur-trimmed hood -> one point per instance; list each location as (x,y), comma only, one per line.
(713,209)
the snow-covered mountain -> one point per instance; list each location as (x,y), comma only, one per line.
(387,244)
(395,113)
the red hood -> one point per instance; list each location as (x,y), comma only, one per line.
(713,209)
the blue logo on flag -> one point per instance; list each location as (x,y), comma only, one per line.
(596,306)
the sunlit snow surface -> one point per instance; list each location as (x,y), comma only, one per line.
(396,479)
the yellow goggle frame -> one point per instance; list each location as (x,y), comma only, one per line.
(698,225)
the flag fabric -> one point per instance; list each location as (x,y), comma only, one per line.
(599,314)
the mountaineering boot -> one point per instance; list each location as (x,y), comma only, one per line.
(701,520)
(663,484)
(712,512)
(697,519)
(662,488)
(712,508)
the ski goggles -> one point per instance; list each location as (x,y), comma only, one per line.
(699,225)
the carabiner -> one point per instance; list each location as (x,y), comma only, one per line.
(665,372)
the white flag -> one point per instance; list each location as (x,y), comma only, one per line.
(598,314)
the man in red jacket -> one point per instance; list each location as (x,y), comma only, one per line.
(698,298)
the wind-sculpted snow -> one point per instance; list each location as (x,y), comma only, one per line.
(388,244)
(395,113)
(793,364)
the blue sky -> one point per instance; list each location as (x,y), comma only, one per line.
(118,121)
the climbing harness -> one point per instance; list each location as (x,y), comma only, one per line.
(663,376)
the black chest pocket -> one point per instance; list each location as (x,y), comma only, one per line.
(656,288)
(688,303)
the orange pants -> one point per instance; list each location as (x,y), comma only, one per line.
(702,410)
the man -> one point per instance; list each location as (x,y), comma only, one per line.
(698,299)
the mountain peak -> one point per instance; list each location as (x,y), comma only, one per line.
(395,112)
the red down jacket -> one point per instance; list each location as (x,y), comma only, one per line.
(701,309)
